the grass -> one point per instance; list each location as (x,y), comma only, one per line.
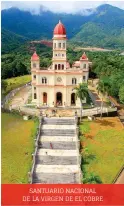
(104,139)
(17,147)
(13,83)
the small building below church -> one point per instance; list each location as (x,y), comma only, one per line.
(54,86)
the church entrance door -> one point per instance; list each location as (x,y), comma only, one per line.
(44,98)
(59,99)
(73,99)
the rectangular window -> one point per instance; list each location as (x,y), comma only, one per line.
(35,96)
(34,88)
(84,78)
(59,45)
(84,66)
(63,45)
(34,76)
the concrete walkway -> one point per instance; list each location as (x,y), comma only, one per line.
(57,158)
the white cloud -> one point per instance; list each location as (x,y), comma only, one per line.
(58,6)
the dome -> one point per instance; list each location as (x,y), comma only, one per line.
(59,29)
(35,57)
(84,57)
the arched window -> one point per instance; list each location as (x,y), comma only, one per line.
(34,65)
(62,66)
(44,80)
(74,81)
(59,66)
(84,66)
(55,66)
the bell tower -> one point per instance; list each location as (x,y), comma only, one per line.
(35,61)
(59,47)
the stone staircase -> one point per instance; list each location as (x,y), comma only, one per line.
(57,157)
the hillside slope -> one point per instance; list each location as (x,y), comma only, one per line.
(103,28)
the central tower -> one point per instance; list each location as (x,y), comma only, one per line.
(59,47)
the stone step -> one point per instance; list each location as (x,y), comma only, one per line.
(58,132)
(57,145)
(56,160)
(56,169)
(58,138)
(55,127)
(52,178)
(59,121)
(55,152)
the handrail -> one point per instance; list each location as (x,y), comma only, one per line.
(118,174)
(35,152)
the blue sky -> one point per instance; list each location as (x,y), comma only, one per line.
(58,6)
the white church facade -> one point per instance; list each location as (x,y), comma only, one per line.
(54,86)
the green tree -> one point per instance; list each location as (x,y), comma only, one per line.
(3,86)
(121,94)
(81,93)
(101,88)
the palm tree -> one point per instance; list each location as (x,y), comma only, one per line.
(81,93)
(103,87)
(92,179)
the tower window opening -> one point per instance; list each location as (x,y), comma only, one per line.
(54,45)
(34,77)
(34,65)
(63,45)
(74,81)
(84,66)
(62,66)
(59,45)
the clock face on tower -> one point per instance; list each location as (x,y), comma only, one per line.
(59,79)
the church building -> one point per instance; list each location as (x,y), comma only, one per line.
(55,86)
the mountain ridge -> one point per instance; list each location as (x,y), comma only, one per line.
(107,23)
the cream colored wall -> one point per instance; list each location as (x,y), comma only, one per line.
(37,64)
(82,64)
(52,79)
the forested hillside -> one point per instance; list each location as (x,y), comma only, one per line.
(103,28)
